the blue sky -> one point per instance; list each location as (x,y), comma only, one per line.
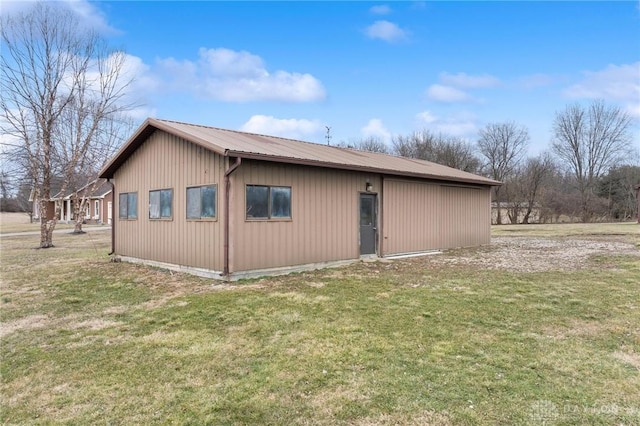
(373,68)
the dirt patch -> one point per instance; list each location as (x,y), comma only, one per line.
(27,323)
(630,358)
(95,324)
(69,322)
(524,254)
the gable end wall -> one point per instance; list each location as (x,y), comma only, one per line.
(165,161)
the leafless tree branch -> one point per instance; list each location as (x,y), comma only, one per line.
(61,89)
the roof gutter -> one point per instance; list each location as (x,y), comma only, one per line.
(113,220)
(381,218)
(227,210)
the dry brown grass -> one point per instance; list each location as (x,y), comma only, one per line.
(19,222)
(7,218)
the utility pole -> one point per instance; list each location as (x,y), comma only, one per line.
(328,136)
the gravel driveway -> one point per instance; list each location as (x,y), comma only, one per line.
(534,254)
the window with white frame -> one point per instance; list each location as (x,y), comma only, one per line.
(96,209)
(160,204)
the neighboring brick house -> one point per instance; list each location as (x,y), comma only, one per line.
(99,208)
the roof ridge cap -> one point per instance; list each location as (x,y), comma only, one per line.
(242,132)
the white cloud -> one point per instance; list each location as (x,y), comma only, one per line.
(634,110)
(440,93)
(228,75)
(133,82)
(141,113)
(143,80)
(461,124)
(618,83)
(375,128)
(87,13)
(451,87)
(381,9)
(183,72)
(134,77)
(229,62)
(287,128)
(387,31)
(91,16)
(457,127)
(466,81)
(426,117)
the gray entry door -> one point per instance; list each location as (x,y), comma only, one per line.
(367,224)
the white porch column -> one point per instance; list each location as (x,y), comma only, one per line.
(68,215)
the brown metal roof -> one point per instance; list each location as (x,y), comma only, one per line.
(102,189)
(271,148)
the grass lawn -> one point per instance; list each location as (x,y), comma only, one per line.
(630,229)
(439,340)
(19,222)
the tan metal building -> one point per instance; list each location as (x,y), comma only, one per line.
(228,204)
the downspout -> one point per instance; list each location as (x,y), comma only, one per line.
(227,210)
(113,218)
(381,217)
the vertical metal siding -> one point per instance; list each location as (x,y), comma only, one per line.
(464,216)
(410,216)
(166,161)
(324,224)
(422,216)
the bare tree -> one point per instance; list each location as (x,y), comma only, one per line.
(503,146)
(5,183)
(54,69)
(371,144)
(589,141)
(527,185)
(416,145)
(561,196)
(442,149)
(457,153)
(85,145)
(617,187)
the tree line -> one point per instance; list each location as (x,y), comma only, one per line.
(589,173)
(63,112)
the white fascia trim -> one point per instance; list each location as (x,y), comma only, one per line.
(412,254)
